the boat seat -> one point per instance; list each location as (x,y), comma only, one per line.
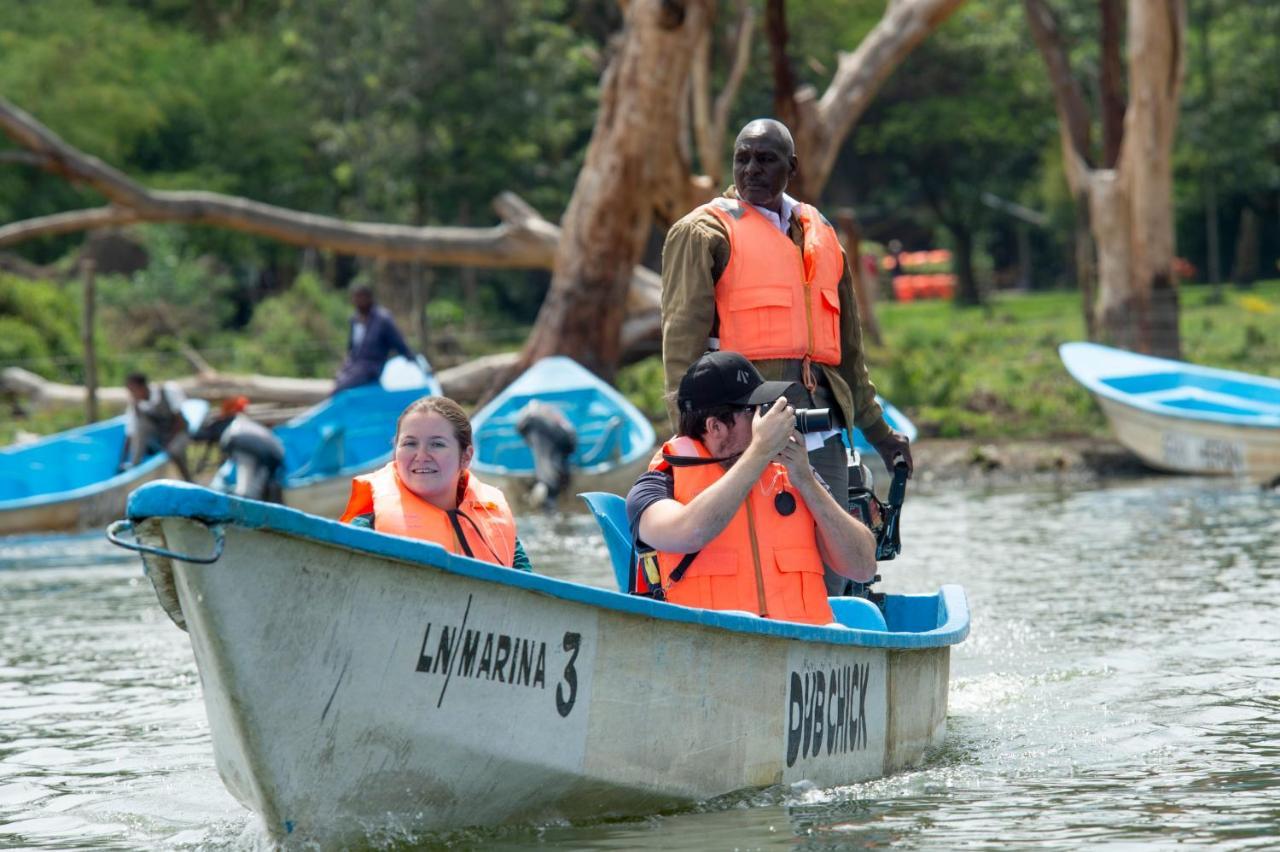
(606,448)
(610,512)
(328,455)
(857,614)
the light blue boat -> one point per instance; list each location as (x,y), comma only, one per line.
(612,433)
(346,435)
(1183,417)
(71,481)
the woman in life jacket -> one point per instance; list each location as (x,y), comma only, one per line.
(427,490)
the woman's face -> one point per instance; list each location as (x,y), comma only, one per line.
(429,460)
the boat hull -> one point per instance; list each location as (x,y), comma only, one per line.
(353,693)
(1194,446)
(81,512)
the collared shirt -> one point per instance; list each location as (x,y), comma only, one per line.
(783,222)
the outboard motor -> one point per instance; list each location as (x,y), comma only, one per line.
(552,439)
(880,516)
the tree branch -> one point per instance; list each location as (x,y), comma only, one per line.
(1111,82)
(860,75)
(1073,114)
(524,239)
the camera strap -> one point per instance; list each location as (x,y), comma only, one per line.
(696,461)
(646,562)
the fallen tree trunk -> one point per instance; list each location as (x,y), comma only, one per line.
(464,383)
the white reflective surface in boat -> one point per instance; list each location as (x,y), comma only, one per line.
(1120,687)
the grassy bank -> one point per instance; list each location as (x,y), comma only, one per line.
(981,373)
(988,373)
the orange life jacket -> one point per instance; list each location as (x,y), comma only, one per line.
(764,561)
(774,300)
(487,524)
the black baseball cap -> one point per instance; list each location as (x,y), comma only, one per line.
(725,378)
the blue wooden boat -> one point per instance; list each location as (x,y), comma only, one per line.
(897,421)
(1183,417)
(362,685)
(346,435)
(70,481)
(612,433)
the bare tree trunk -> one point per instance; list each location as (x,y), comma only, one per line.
(1130,207)
(1111,81)
(87,324)
(1245,270)
(967,291)
(611,212)
(1156,29)
(1086,263)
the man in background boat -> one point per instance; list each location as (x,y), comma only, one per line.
(154,423)
(256,452)
(552,440)
(731,514)
(759,273)
(373,337)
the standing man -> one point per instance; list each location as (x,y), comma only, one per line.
(154,423)
(372,339)
(759,273)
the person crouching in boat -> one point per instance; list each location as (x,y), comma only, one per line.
(731,515)
(427,491)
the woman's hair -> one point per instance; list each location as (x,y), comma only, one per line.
(446,408)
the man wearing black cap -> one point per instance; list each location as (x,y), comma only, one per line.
(731,515)
(757,272)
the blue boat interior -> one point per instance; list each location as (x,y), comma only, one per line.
(350,431)
(1192,391)
(62,462)
(897,421)
(604,435)
(908,614)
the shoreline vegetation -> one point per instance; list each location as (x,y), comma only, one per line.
(984,386)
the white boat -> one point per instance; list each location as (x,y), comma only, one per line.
(1183,417)
(358,683)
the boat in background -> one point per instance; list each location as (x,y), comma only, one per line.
(361,685)
(348,434)
(615,440)
(1183,417)
(897,421)
(72,480)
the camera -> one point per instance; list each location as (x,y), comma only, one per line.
(808,419)
(880,516)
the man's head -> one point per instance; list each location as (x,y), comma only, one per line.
(764,161)
(362,299)
(716,400)
(136,384)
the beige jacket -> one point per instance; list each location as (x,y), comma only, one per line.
(694,256)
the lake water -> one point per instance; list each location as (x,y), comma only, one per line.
(1120,688)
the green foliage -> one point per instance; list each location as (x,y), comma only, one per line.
(300,332)
(39,328)
(178,298)
(643,383)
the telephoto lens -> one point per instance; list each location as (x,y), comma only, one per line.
(813,419)
(808,419)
